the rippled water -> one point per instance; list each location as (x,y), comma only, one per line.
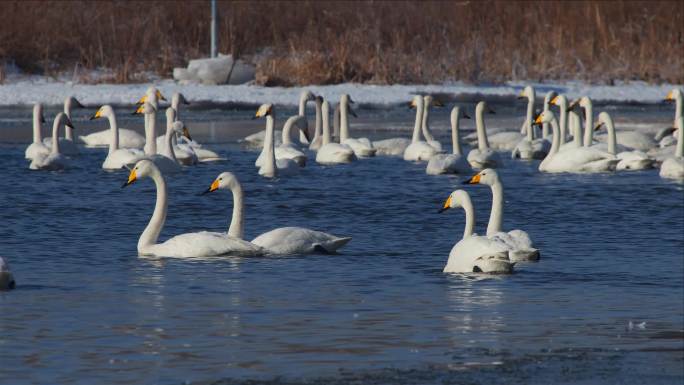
(604,305)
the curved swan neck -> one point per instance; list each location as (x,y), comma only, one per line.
(68,133)
(344,122)
(168,143)
(496,215)
(114,140)
(529,116)
(425,125)
(467,205)
(588,124)
(151,133)
(37,125)
(680,137)
(302,104)
(236,228)
(482,142)
(611,134)
(325,112)
(455,132)
(287,130)
(269,167)
(151,233)
(555,142)
(419,121)
(55,133)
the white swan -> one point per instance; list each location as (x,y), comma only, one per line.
(331,152)
(256,140)
(518,242)
(574,160)
(529,147)
(673,167)
(281,241)
(189,245)
(667,137)
(429,101)
(396,146)
(418,150)
(54,160)
(288,150)
(473,253)
(562,102)
(167,165)
(116,157)
(547,104)
(629,160)
(317,140)
(482,156)
(37,147)
(66,144)
(454,163)
(183,153)
(272,167)
(7,281)
(504,140)
(362,146)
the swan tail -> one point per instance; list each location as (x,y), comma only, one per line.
(495,263)
(527,255)
(331,246)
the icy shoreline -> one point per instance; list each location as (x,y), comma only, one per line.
(28,91)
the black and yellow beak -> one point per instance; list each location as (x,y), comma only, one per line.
(214,186)
(538,119)
(474,180)
(521,95)
(160,96)
(139,110)
(598,126)
(186,133)
(97,115)
(67,122)
(446,206)
(142,100)
(554,100)
(132,177)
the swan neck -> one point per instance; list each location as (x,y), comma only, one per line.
(496,216)
(529,117)
(302,105)
(336,123)
(611,135)
(680,137)
(545,126)
(563,122)
(555,143)
(269,167)
(326,123)
(55,134)
(236,228)
(576,128)
(467,205)
(37,126)
(455,134)
(114,140)
(425,126)
(418,122)
(319,121)
(344,123)
(68,133)
(151,233)
(168,143)
(678,106)
(588,125)
(482,143)
(151,133)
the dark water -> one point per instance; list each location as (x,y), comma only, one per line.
(604,305)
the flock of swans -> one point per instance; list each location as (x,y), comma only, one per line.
(562,142)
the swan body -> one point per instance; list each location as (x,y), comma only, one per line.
(473,253)
(628,160)
(454,163)
(673,167)
(505,141)
(37,147)
(362,147)
(256,140)
(127,139)
(482,156)
(418,150)
(517,242)
(391,146)
(287,150)
(7,281)
(330,152)
(54,160)
(66,144)
(573,160)
(631,140)
(190,245)
(117,158)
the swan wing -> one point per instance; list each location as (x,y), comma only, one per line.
(203,244)
(479,254)
(299,240)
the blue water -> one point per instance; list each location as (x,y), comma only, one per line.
(88,310)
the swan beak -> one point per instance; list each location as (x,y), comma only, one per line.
(669,97)
(412,104)
(160,96)
(474,180)
(446,206)
(139,110)
(554,101)
(42,118)
(186,133)
(538,120)
(466,116)
(598,126)
(68,122)
(214,186)
(573,104)
(97,115)
(132,177)
(437,103)
(351,112)
(142,100)
(521,95)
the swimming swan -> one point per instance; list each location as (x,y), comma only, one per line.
(37,148)
(362,146)
(66,144)
(518,241)
(574,160)
(474,253)
(429,101)
(454,163)
(271,166)
(167,165)
(418,150)
(529,147)
(281,241)
(116,157)
(629,160)
(396,146)
(257,140)
(331,152)
(189,245)
(673,167)
(54,160)
(482,156)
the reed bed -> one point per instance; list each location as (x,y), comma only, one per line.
(381,42)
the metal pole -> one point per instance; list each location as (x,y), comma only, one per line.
(213,28)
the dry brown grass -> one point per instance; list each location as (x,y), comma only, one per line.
(321,42)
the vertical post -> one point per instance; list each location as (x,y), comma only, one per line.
(213,28)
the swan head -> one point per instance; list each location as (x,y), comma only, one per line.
(457,113)
(181,129)
(178,98)
(151,95)
(549,95)
(225,181)
(527,93)
(38,112)
(264,110)
(673,95)
(62,117)
(144,168)
(71,101)
(545,117)
(584,102)
(604,119)
(488,176)
(104,111)
(417,101)
(482,107)
(307,96)
(432,101)
(455,200)
(6,279)
(346,100)
(145,108)
(559,100)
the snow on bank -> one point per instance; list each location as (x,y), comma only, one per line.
(29,91)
